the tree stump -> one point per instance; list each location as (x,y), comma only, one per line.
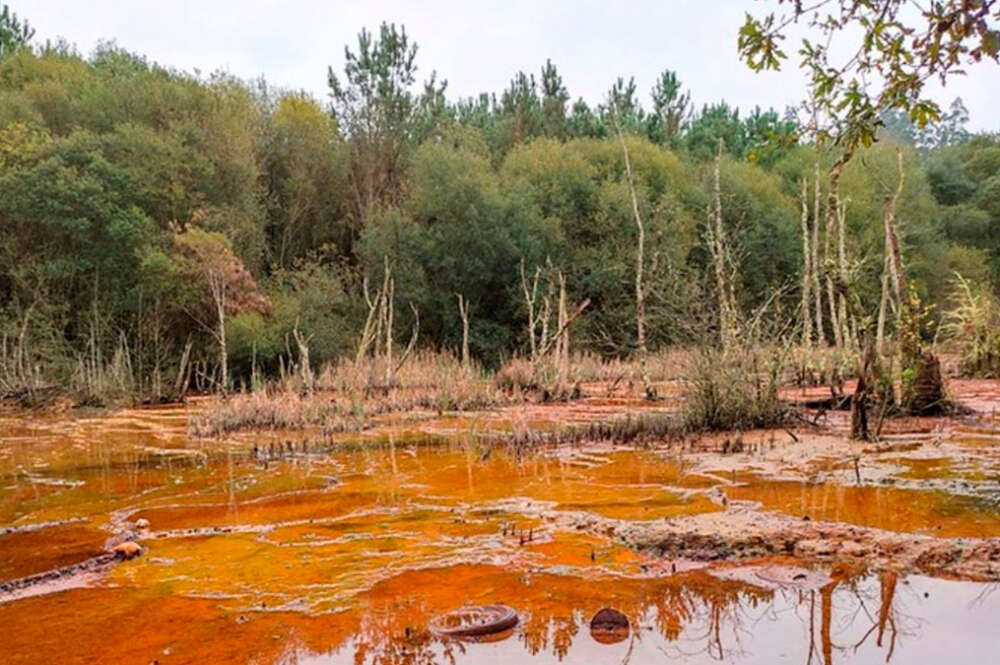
(927,390)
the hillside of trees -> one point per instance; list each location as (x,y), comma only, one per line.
(150,215)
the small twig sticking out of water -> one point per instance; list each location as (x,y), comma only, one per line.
(628,654)
(857,470)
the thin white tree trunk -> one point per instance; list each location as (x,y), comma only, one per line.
(807,336)
(719,257)
(816,288)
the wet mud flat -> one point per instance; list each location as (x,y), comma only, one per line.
(262,548)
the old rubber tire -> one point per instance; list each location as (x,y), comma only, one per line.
(475,621)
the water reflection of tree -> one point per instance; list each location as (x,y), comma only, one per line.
(714,604)
(888,622)
(382,641)
(716,614)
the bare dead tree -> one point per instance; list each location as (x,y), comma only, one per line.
(217,287)
(562,341)
(369,332)
(388,313)
(807,336)
(816,289)
(719,251)
(414,335)
(463,312)
(180,383)
(893,252)
(562,329)
(305,367)
(883,307)
(843,317)
(530,298)
(829,270)
(641,291)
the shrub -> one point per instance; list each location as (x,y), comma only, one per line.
(735,389)
(974,327)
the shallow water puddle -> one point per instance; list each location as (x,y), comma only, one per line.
(929,512)
(695,617)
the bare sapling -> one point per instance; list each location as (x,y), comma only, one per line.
(376,341)
(369,331)
(558,342)
(463,312)
(530,300)
(412,344)
(305,367)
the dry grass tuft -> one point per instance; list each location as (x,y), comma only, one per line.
(349,392)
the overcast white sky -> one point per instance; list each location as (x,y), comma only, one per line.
(476,45)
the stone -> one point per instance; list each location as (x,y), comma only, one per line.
(127,550)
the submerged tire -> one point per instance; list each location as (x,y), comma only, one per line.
(474,621)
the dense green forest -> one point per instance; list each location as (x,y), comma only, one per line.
(148,215)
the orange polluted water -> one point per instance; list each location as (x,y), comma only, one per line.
(349,556)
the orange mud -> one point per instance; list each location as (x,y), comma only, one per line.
(269,548)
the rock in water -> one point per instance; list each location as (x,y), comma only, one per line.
(127,550)
(609,626)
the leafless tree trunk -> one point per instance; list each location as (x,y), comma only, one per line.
(414,335)
(807,336)
(832,214)
(883,307)
(816,288)
(217,286)
(828,269)
(718,245)
(842,317)
(530,298)
(562,344)
(893,252)
(388,299)
(897,277)
(463,311)
(640,266)
(180,383)
(305,368)
(369,333)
